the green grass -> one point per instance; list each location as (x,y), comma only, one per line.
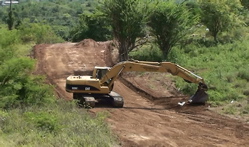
(62,124)
(147,53)
(30,115)
(224,67)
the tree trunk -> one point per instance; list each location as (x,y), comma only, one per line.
(216,38)
(123,52)
(165,49)
(10,20)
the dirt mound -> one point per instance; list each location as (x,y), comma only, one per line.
(58,61)
(142,122)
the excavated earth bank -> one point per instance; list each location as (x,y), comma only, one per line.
(151,116)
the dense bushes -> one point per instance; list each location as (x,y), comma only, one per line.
(60,15)
(223,67)
(18,87)
(59,124)
(38,33)
(147,53)
(30,115)
(7,39)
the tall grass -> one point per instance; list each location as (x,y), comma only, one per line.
(225,68)
(148,52)
(61,124)
(29,113)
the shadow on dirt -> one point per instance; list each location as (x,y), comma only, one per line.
(177,108)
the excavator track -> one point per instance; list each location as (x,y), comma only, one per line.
(85,101)
(118,101)
(89,100)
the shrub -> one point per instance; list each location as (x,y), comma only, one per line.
(38,33)
(147,53)
(44,121)
(8,38)
(60,124)
(244,73)
(246,110)
(19,87)
(230,110)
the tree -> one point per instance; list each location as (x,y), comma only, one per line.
(18,87)
(127,18)
(10,20)
(220,16)
(169,23)
(245,3)
(91,25)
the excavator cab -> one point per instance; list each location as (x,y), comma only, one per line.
(99,72)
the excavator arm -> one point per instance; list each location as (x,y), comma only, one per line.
(168,67)
(141,66)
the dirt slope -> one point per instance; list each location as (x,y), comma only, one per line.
(142,122)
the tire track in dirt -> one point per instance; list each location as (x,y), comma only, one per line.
(142,122)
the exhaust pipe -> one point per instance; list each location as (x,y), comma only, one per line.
(200,96)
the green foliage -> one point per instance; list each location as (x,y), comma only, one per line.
(8,40)
(224,68)
(244,73)
(230,110)
(246,110)
(44,121)
(60,124)
(10,19)
(169,23)
(2,15)
(30,114)
(220,16)
(147,53)
(38,33)
(127,18)
(60,15)
(245,3)
(91,25)
(18,88)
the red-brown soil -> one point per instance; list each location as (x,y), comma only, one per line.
(151,116)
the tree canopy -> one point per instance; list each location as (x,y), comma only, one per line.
(169,23)
(220,16)
(61,15)
(91,25)
(127,20)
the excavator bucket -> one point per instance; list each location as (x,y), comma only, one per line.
(200,96)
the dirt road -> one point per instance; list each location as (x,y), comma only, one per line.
(142,122)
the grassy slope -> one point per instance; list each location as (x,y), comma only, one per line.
(58,123)
(224,68)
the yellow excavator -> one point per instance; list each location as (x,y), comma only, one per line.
(91,89)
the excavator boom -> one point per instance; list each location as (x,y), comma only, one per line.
(102,80)
(166,67)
